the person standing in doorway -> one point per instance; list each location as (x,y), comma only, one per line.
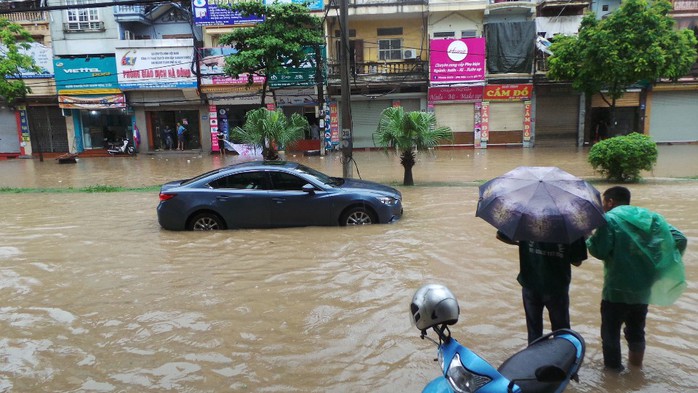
(169,141)
(180,136)
(641,256)
(221,142)
(545,274)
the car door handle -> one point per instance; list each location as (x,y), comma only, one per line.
(222,197)
(278,200)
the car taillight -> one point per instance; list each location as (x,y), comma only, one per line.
(166,197)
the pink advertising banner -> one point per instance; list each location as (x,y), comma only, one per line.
(457,60)
(460,93)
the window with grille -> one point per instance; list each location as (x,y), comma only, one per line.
(83,18)
(390,49)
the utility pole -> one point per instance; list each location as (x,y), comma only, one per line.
(344,58)
(319,85)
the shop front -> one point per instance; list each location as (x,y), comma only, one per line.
(162,90)
(672,113)
(626,119)
(459,109)
(227,110)
(296,91)
(507,115)
(91,103)
(366,114)
(9,142)
(457,78)
(557,115)
(37,120)
(229,98)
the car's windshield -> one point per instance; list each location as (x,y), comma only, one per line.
(321,177)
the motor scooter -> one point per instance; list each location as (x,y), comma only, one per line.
(123,147)
(545,365)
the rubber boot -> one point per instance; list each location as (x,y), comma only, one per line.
(635,358)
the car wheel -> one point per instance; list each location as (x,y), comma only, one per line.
(357,216)
(206,222)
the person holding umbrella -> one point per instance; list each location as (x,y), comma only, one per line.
(642,261)
(548,213)
(545,274)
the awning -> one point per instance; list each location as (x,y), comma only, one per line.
(108,101)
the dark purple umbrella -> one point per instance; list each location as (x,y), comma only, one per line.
(543,204)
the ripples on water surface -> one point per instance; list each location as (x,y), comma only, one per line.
(95,297)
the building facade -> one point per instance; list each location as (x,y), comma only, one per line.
(134,71)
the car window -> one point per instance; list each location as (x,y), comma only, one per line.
(286,181)
(201,176)
(241,181)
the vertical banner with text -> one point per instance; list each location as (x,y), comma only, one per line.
(213,122)
(485,124)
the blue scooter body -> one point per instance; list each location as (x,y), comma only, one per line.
(545,366)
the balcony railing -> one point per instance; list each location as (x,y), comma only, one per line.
(27,16)
(94,26)
(131,13)
(685,5)
(411,68)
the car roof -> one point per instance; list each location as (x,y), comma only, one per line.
(265,165)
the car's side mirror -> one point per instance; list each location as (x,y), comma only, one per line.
(309,188)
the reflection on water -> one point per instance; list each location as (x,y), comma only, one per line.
(95,297)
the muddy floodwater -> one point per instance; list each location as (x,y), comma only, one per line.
(95,297)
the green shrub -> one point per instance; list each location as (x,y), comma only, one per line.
(621,158)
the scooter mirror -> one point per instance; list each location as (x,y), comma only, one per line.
(550,374)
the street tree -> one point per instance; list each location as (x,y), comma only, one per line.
(407,131)
(635,44)
(271,46)
(14,38)
(270,129)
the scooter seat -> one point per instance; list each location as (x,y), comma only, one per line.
(531,368)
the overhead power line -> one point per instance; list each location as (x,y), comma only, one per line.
(81,6)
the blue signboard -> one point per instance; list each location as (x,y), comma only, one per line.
(211,12)
(88,73)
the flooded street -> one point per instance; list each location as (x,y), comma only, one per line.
(95,297)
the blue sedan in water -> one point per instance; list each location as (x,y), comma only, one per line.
(274,194)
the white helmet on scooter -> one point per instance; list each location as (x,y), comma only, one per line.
(432,305)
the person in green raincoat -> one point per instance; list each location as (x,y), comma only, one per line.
(641,253)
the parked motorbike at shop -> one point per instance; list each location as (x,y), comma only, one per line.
(122,147)
(545,365)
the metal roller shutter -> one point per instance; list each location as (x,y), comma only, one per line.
(47,129)
(557,116)
(365,116)
(673,116)
(9,142)
(459,117)
(506,116)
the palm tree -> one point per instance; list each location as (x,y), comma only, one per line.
(407,131)
(270,129)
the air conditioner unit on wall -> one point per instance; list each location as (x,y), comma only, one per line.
(409,54)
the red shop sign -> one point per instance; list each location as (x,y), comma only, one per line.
(508,92)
